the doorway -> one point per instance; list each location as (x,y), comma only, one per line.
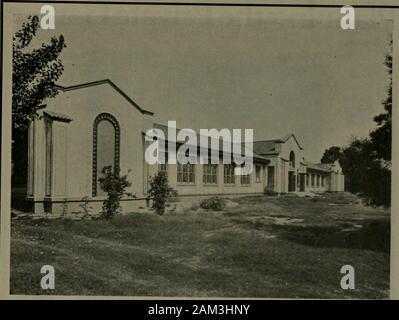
(302,182)
(291,181)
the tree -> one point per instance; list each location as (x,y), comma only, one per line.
(35,72)
(381,137)
(114,185)
(364,173)
(366,162)
(331,155)
(354,161)
(160,192)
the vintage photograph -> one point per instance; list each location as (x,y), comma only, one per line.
(200,152)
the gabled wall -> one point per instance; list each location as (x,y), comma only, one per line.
(72,158)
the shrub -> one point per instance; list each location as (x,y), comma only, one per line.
(269,192)
(114,185)
(160,192)
(86,207)
(215,204)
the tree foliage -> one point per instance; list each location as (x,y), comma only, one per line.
(35,73)
(115,187)
(331,155)
(366,162)
(381,137)
(365,174)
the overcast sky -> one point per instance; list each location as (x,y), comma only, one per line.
(276,76)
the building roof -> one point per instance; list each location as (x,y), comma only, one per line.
(267,147)
(108,82)
(165,131)
(57,116)
(324,167)
(296,140)
(327,166)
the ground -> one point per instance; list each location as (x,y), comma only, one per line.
(259,246)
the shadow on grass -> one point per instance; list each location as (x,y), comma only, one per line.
(374,235)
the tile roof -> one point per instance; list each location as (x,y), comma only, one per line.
(165,131)
(325,167)
(57,116)
(266,146)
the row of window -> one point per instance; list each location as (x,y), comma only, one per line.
(186,174)
(315,180)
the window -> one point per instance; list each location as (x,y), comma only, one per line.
(322,181)
(228,174)
(257,171)
(307,179)
(210,174)
(106,145)
(245,180)
(312,179)
(186,173)
(163,167)
(318,180)
(297,180)
(292,159)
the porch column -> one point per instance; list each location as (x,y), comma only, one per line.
(59,160)
(36,165)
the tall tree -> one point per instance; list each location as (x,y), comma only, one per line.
(366,162)
(381,137)
(331,155)
(364,173)
(35,73)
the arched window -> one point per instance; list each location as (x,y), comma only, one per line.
(292,158)
(106,142)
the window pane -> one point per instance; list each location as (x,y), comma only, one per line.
(257,169)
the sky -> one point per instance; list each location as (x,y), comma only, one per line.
(273,75)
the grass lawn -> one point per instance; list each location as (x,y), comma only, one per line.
(279,247)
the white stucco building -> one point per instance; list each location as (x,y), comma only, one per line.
(91,125)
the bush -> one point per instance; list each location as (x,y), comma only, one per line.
(269,192)
(160,192)
(114,185)
(87,209)
(215,204)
